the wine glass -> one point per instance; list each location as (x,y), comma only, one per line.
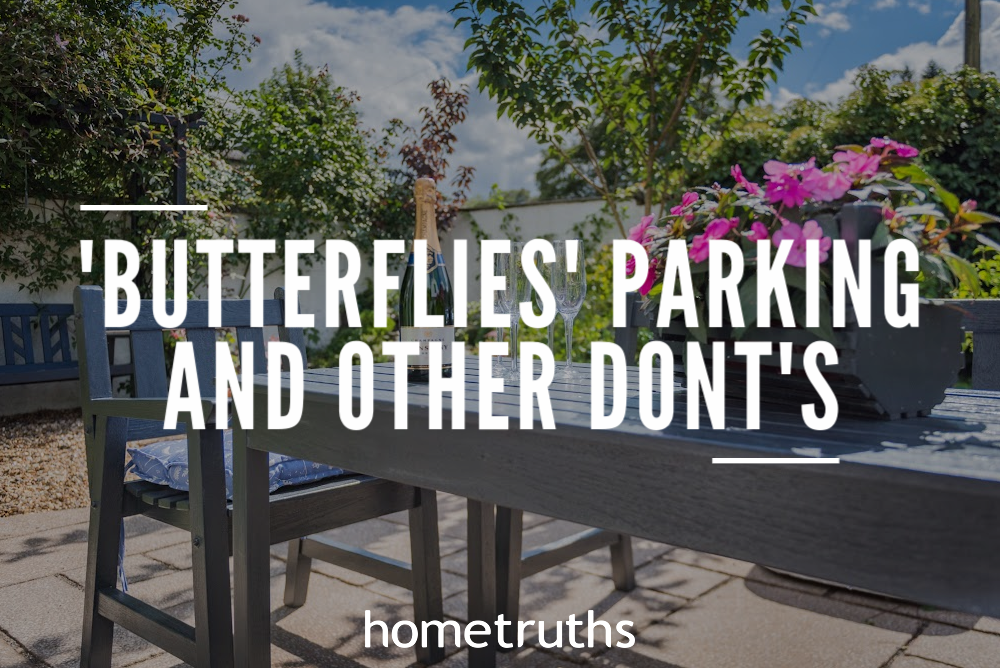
(518,290)
(501,267)
(545,269)
(569,284)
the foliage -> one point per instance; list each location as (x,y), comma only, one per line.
(798,205)
(308,165)
(80,81)
(423,153)
(636,64)
(954,118)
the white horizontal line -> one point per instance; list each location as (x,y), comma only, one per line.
(775,460)
(143,207)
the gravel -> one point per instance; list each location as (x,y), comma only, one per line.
(43,462)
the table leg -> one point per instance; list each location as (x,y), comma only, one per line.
(251,558)
(482,578)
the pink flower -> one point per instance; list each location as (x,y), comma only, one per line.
(798,236)
(825,186)
(890,145)
(888,213)
(969,205)
(687,200)
(720,227)
(698,252)
(758,232)
(650,278)
(752,188)
(857,165)
(778,168)
(717,229)
(783,183)
(786,189)
(639,232)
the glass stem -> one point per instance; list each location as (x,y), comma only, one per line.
(500,338)
(513,342)
(568,321)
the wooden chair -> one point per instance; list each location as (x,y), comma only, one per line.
(295,512)
(514,564)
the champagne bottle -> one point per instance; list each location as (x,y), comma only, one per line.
(439,297)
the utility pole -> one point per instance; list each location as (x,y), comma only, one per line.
(973,31)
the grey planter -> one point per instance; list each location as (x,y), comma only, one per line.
(881,371)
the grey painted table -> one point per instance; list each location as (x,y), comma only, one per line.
(912,510)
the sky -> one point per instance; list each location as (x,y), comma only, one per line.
(388,51)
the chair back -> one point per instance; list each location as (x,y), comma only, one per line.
(146,347)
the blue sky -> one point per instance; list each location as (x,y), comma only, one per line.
(388,51)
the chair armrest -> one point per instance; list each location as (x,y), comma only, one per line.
(144,409)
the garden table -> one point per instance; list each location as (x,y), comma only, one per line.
(912,510)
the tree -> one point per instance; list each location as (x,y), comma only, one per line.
(311,168)
(952,118)
(932,70)
(421,153)
(634,63)
(80,81)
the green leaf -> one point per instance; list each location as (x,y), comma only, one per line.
(964,271)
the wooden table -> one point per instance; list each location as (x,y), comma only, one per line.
(912,510)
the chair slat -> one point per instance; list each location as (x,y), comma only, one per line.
(150,364)
(45,334)
(203,342)
(235,313)
(254,335)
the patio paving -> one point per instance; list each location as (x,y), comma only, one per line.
(691,610)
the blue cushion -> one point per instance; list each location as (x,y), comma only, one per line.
(166,463)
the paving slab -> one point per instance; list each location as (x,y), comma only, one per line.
(744,569)
(329,630)
(451,585)
(138,567)
(533,537)
(916,662)
(598,562)
(553,595)
(947,644)
(45,553)
(12,656)
(734,627)
(46,617)
(678,579)
(32,523)
(527,658)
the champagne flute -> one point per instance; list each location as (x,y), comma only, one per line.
(501,264)
(569,284)
(545,269)
(518,290)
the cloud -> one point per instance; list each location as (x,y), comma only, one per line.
(885,4)
(389,57)
(948,52)
(831,19)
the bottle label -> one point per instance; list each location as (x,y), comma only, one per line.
(424,336)
(434,260)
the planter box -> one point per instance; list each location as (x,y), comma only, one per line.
(881,371)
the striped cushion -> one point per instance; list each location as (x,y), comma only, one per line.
(166,463)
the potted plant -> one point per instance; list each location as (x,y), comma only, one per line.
(877,192)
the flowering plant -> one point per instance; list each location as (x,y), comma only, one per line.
(798,202)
